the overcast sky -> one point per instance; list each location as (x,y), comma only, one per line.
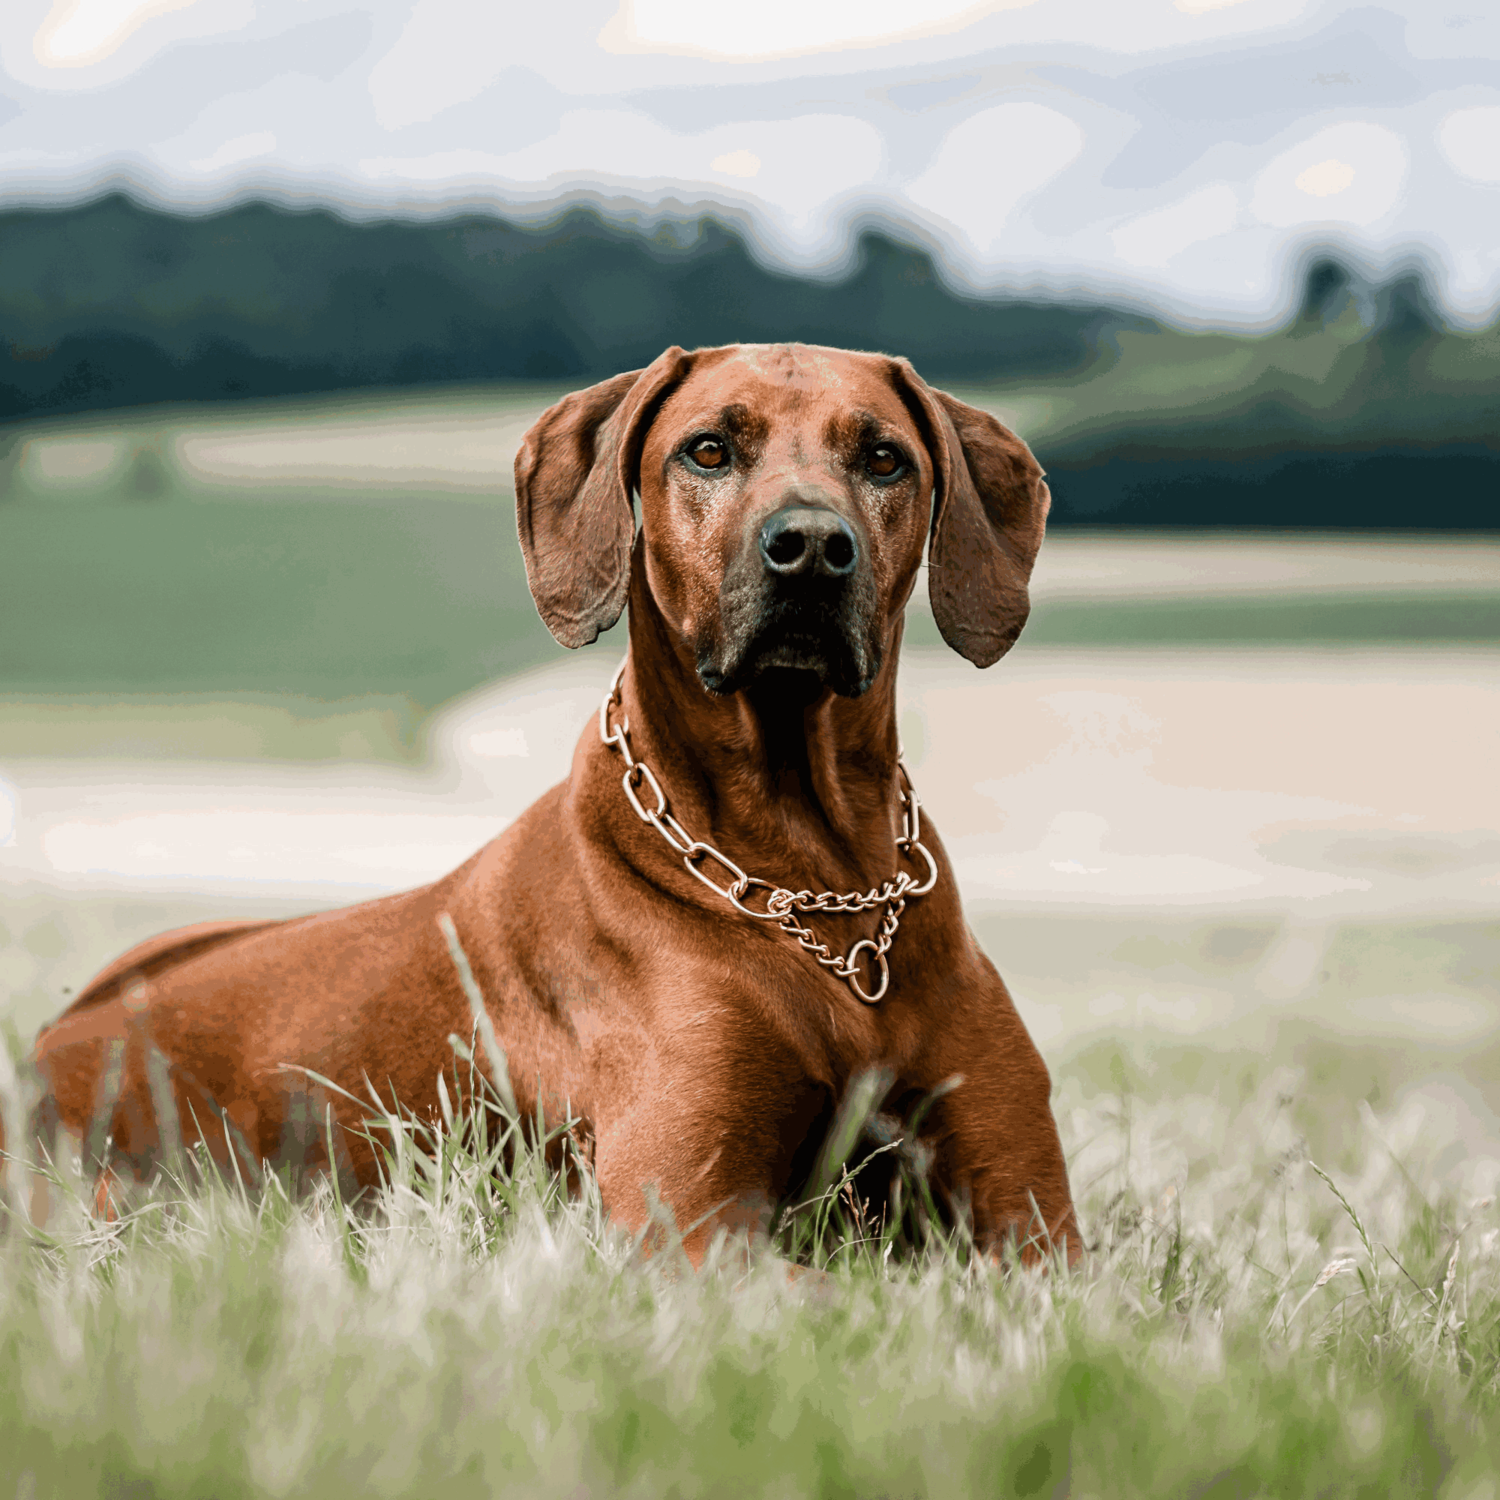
(1179,151)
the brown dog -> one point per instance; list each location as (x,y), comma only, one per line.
(700,1011)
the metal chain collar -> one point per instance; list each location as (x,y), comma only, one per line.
(783,905)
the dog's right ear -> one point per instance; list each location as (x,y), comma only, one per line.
(575,473)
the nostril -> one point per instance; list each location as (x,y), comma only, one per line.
(785,547)
(838,552)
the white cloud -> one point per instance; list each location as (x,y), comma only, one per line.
(241,148)
(79,44)
(79,32)
(992,161)
(784,28)
(801,165)
(737,164)
(1152,239)
(1470,139)
(1020,192)
(1353,173)
(842,32)
(1326,178)
(450,51)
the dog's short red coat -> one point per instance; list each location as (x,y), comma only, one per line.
(699,1048)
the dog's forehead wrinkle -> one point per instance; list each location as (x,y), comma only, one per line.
(745,411)
(783,361)
(738,418)
(797,366)
(854,429)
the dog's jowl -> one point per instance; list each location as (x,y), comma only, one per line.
(733,903)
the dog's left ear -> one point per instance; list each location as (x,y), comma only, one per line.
(988,515)
(575,473)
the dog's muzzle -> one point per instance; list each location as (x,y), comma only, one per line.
(800,598)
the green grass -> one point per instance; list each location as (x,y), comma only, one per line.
(417,597)
(387,595)
(1249,1321)
(400,603)
(1226,620)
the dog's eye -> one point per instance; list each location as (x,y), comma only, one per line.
(883,461)
(709,453)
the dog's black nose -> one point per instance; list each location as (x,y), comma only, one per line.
(808,539)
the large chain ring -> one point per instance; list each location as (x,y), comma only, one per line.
(879,964)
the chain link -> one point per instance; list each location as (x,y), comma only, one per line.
(783,906)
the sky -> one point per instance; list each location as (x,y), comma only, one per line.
(1183,154)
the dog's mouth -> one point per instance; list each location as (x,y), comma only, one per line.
(826,642)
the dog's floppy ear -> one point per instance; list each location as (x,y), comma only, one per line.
(575,472)
(988,515)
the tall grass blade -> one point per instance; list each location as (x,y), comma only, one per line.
(499,1067)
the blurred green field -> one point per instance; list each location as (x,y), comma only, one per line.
(423,596)
(333,550)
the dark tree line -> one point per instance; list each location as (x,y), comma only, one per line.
(111,304)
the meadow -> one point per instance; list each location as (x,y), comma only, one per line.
(1292,1284)
(1283,1294)
(361,549)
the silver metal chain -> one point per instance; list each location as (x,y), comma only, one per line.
(782,906)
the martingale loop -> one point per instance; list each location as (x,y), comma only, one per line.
(868,958)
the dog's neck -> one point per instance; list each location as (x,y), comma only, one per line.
(784,769)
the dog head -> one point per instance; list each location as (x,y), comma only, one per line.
(787,493)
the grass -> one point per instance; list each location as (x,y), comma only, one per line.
(1249,1321)
(397,585)
(1288,1292)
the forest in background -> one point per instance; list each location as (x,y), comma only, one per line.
(1364,409)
